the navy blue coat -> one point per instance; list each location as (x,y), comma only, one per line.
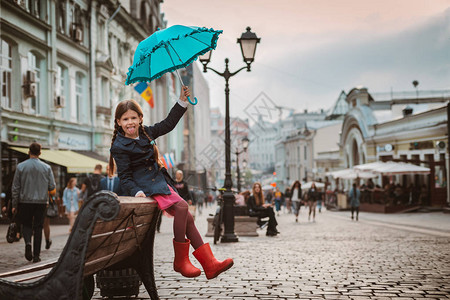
(116,185)
(136,167)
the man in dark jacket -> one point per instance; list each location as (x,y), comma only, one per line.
(111,182)
(91,185)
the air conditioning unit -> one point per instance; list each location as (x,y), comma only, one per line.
(77,34)
(31,76)
(59,101)
(29,90)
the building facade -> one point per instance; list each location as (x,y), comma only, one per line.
(411,130)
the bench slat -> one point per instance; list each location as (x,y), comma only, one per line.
(30,269)
(126,247)
(110,238)
(106,227)
(93,266)
(139,209)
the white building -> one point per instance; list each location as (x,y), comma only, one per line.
(63,69)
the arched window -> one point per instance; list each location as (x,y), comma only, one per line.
(355,153)
(34,64)
(6,73)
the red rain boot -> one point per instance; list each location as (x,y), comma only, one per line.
(210,264)
(181,263)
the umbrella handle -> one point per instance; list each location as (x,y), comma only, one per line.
(195,100)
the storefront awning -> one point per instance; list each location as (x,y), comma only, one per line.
(74,162)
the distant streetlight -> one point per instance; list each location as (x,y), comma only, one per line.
(245,142)
(415,84)
(247,42)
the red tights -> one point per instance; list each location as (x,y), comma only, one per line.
(183,224)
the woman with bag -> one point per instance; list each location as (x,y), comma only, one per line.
(70,200)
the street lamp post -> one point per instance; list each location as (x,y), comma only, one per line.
(247,41)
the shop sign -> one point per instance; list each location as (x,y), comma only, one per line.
(73,141)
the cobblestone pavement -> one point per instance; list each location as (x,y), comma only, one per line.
(397,256)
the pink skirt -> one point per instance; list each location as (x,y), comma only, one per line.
(166,201)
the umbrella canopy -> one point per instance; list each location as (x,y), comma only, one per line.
(170,49)
(307,186)
(369,166)
(351,174)
(394,168)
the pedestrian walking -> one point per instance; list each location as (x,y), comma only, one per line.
(71,196)
(182,187)
(278,198)
(32,182)
(320,201)
(287,200)
(200,196)
(312,196)
(111,182)
(142,174)
(296,198)
(46,226)
(91,184)
(258,207)
(354,195)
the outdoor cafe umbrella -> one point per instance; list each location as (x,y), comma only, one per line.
(168,50)
(393,168)
(351,174)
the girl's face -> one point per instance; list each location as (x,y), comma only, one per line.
(129,122)
(257,188)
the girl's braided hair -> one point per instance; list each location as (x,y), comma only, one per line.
(122,108)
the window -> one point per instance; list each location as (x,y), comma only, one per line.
(6,72)
(79,92)
(34,7)
(34,65)
(101,36)
(104,98)
(61,16)
(77,24)
(60,80)
(306,152)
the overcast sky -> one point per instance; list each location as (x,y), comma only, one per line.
(311,50)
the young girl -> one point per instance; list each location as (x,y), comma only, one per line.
(70,200)
(142,174)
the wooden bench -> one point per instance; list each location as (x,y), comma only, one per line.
(109,232)
(244,224)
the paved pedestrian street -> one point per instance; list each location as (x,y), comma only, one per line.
(396,256)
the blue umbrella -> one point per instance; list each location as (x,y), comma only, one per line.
(170,49)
